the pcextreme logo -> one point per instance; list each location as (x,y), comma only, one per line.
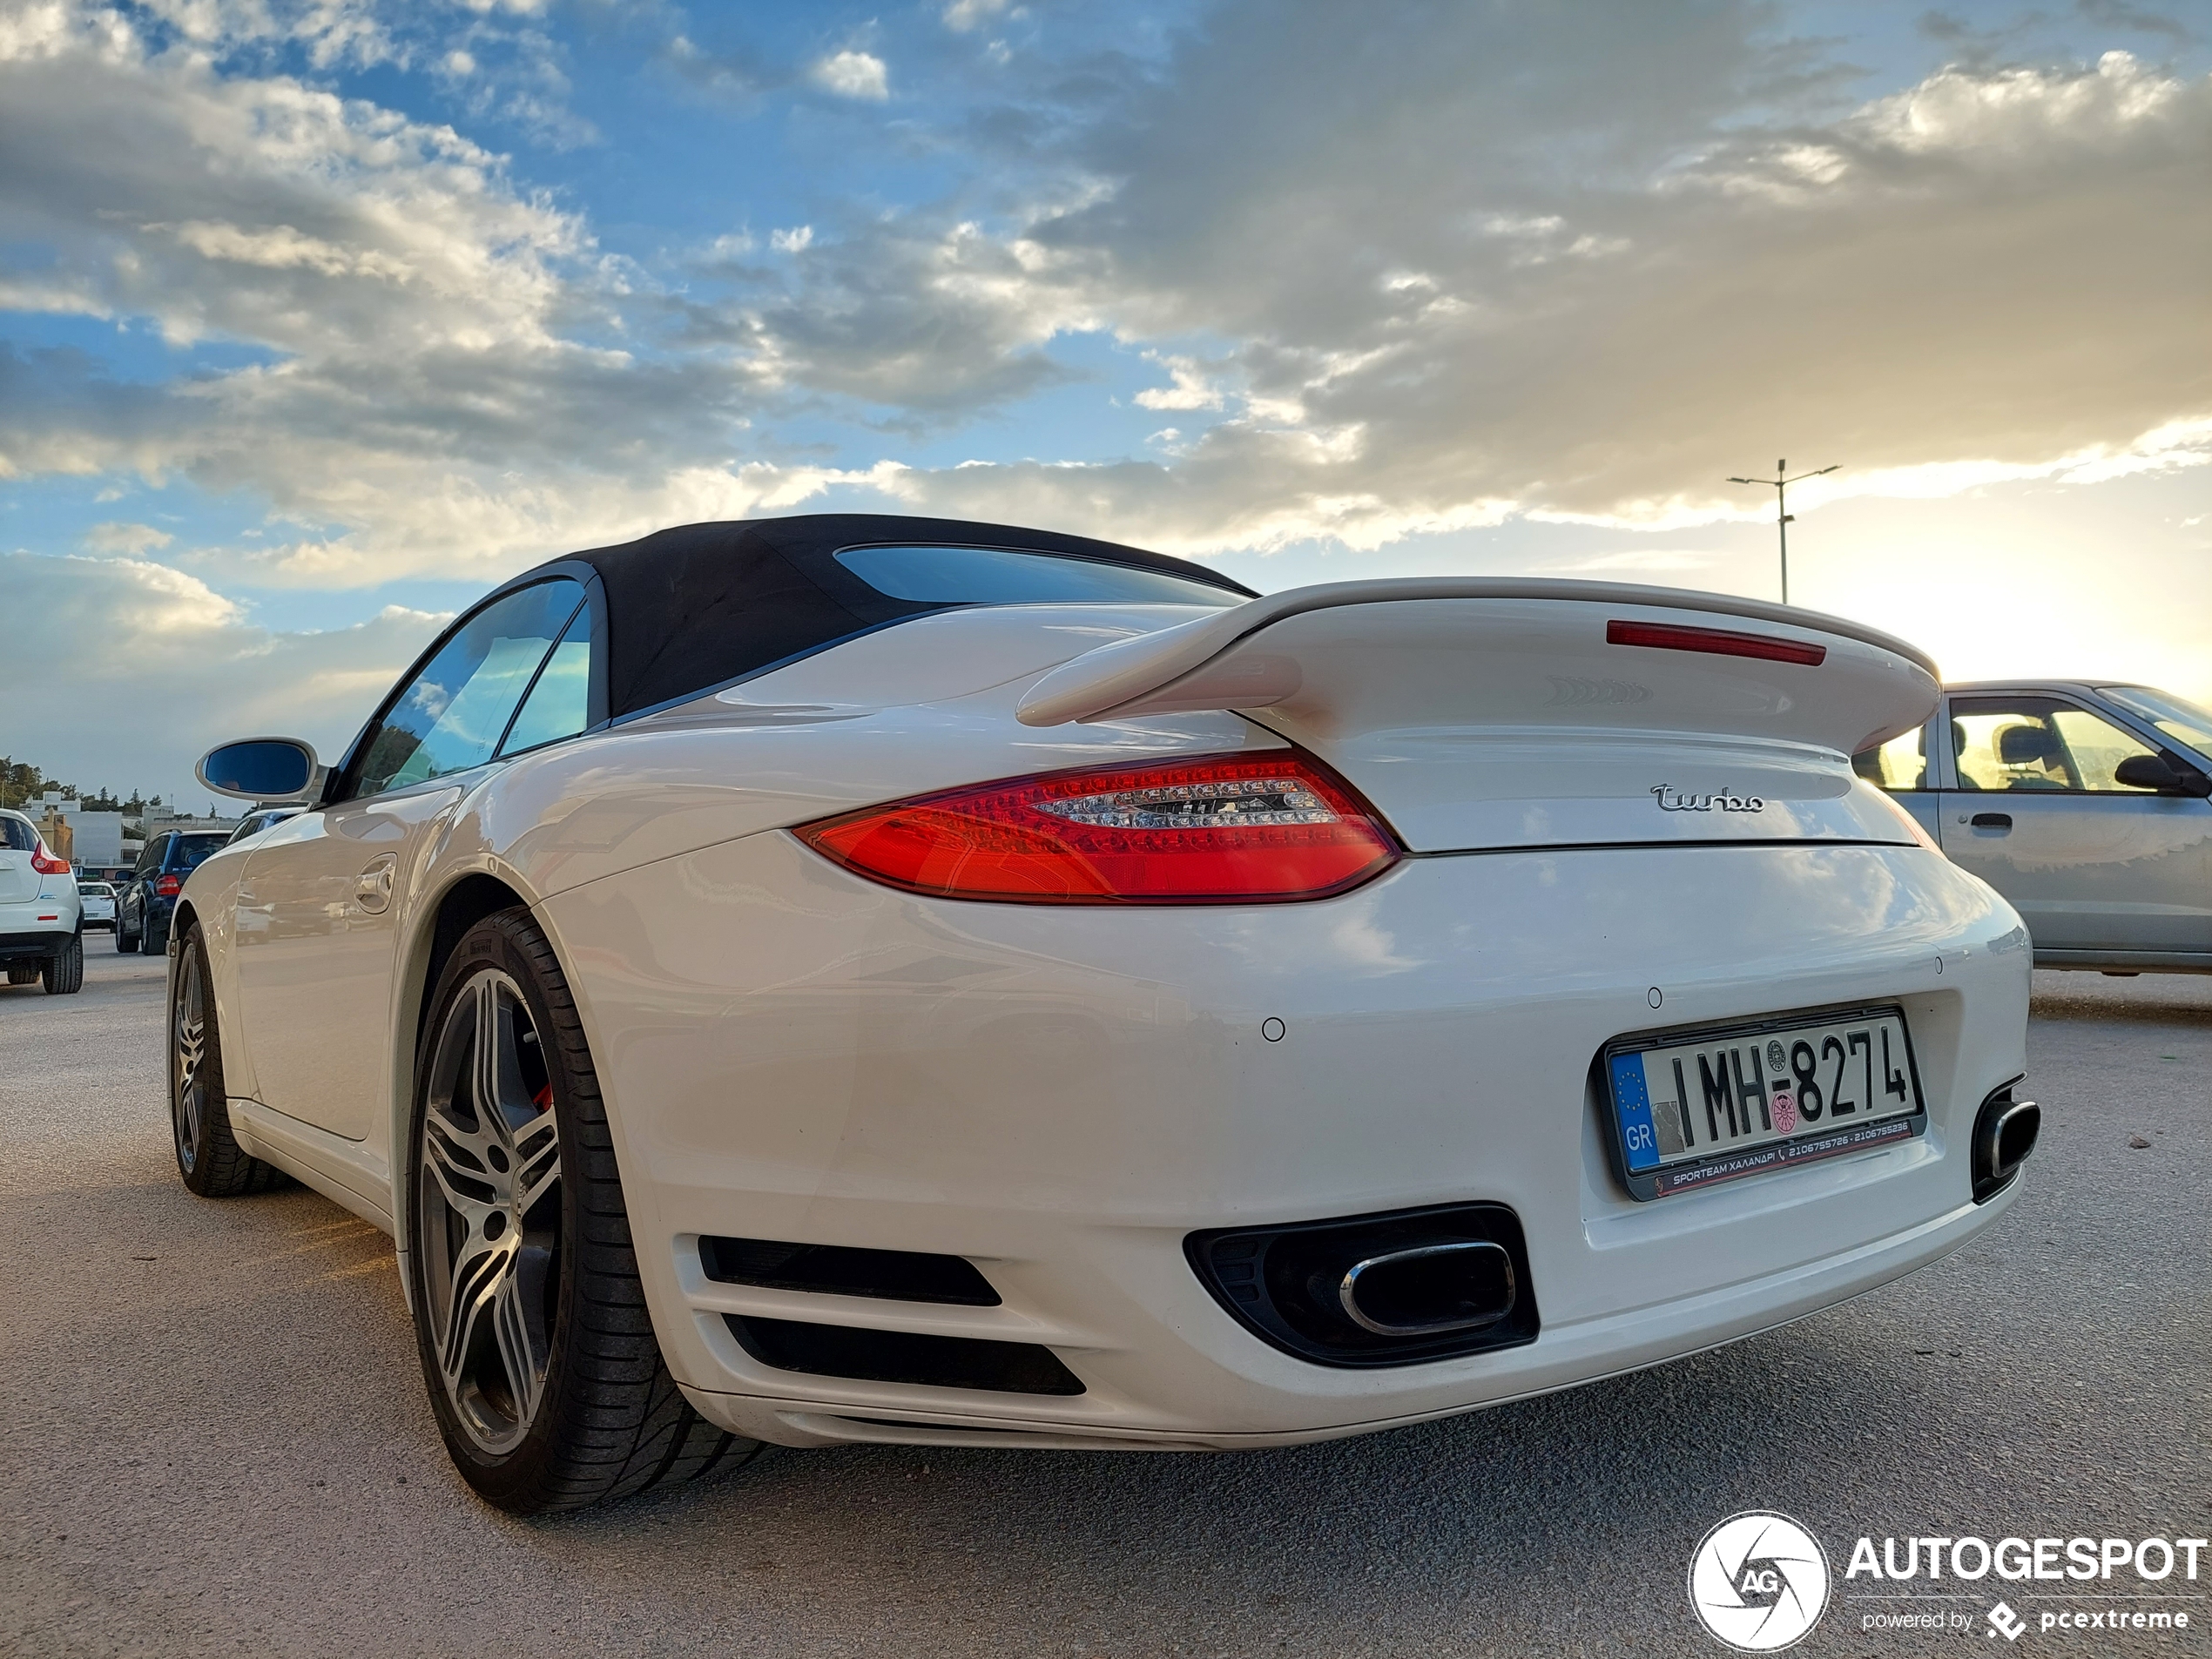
(1759,1581)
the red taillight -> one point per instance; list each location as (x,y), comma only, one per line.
(45,863)
(1718,642)
(1227,830)
(167,886)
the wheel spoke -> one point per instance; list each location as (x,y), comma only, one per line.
(479,1271)
(538,1162)
(522,1348)
(501,1096)
(455,1158)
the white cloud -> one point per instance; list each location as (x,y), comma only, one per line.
(1189,389)
(159,668)
(424,403)
(963,14)
(1995,273)
(116,536)
(1582,271)
(854,74)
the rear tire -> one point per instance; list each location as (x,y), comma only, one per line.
(64,975)
(208,1155)
(155,941)
(536,1344)
(24,972)
(127,943)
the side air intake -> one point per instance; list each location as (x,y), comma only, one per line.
(840,1270)
(903,1357)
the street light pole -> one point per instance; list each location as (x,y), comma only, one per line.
(1780,484)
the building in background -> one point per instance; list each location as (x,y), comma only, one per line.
(92,841)
(103,845)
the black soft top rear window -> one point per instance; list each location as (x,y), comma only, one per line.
(935,573)
(692,608)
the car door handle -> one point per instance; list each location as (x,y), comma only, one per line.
(1992,820)
(373,887)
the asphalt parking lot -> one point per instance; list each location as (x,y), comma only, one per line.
(218,1440)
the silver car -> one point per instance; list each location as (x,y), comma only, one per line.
(2084,804)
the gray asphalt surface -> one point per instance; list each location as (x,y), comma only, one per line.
(218,1440)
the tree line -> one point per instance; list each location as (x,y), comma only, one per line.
(21,783)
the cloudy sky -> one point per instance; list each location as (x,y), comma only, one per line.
(317,317)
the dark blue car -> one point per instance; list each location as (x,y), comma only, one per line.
(144,899)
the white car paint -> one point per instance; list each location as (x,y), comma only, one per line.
(788,1050)
(99,901)
(35,906)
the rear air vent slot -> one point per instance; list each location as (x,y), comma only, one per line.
(903,1357)
(840,1270)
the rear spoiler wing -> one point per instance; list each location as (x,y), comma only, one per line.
(1198,665)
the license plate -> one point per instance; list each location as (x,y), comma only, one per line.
(1693,1107)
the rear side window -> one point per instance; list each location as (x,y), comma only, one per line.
(559,705)
(999,575)
(452,715)
(16,836)
(188,852)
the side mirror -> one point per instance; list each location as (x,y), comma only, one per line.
(2161,773)
(262,769)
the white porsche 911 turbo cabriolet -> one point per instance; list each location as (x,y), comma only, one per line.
(873,979)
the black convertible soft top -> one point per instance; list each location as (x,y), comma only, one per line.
(700,605)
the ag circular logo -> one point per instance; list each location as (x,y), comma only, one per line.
(1759,1581)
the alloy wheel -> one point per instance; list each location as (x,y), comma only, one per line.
(488,1210)
(188,1050)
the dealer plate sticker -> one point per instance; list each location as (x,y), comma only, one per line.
(1744,1101)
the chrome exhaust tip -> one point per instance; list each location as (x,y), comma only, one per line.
(1430,1288)
(1399,1288)
(2005,1133)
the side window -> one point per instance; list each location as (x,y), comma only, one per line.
(452,715)
(2038,742)
(2096,747)
(150,860)
(559,705)
(1900,763)
(16,836)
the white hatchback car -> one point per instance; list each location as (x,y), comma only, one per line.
(99,901)
(863,979)
(42,933)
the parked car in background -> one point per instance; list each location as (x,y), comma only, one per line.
(2089,805)
(99,899)
(42,932)
(148,899)
(254,822)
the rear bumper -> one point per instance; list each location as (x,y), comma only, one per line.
(36,945)
(1061,1097)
